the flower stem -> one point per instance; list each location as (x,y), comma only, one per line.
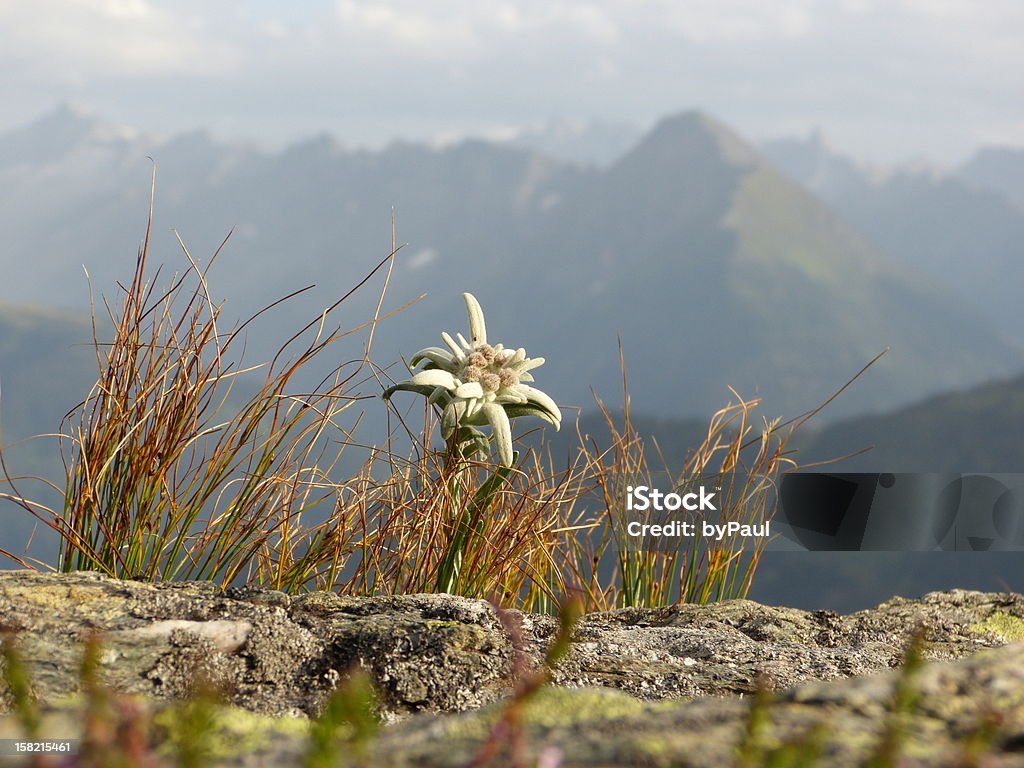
(468,520)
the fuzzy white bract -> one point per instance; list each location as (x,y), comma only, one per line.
(477,384)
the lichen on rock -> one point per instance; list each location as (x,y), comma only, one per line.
(1007,627)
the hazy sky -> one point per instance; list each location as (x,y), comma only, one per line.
(884,80)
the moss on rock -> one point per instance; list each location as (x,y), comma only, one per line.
(1005,626)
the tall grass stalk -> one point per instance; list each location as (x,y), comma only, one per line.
(739,454)
(494,532)
(699,571)
(171,471)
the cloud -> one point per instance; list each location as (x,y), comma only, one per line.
(397,24)
(447,30)
(73,40)
(882,76)
(734,21)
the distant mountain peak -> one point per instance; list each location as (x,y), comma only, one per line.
(322,145)
(75,124)
(66,124)
(815,163)
(691,131)
(58,133)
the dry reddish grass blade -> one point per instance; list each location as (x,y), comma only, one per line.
(408,520)
(165,479)
(701,570)
(741,455)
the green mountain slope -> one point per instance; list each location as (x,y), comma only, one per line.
(718,270)
(977,430)
(964,230)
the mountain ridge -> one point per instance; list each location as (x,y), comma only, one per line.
(745,279)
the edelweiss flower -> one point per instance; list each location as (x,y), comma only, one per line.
(477,384)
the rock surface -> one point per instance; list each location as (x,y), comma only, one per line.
(278,654)
(435,658)
(839,723)
(957,701)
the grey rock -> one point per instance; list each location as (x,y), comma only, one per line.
(638,687)
(591,728)
(281,655)
(838,723)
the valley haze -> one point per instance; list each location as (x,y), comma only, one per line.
(752,277)
(779,270)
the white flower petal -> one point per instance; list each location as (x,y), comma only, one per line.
(528,364)
(457,352)
(510,395)
(442,358)
(465,344)
(498,420)
(435,377)
(477,328)
(514,411)
(536,397)
(470,389)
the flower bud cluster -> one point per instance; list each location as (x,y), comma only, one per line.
(491,367)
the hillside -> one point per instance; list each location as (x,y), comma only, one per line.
(716,269)
(960,230)
(978,430)
(973,430)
